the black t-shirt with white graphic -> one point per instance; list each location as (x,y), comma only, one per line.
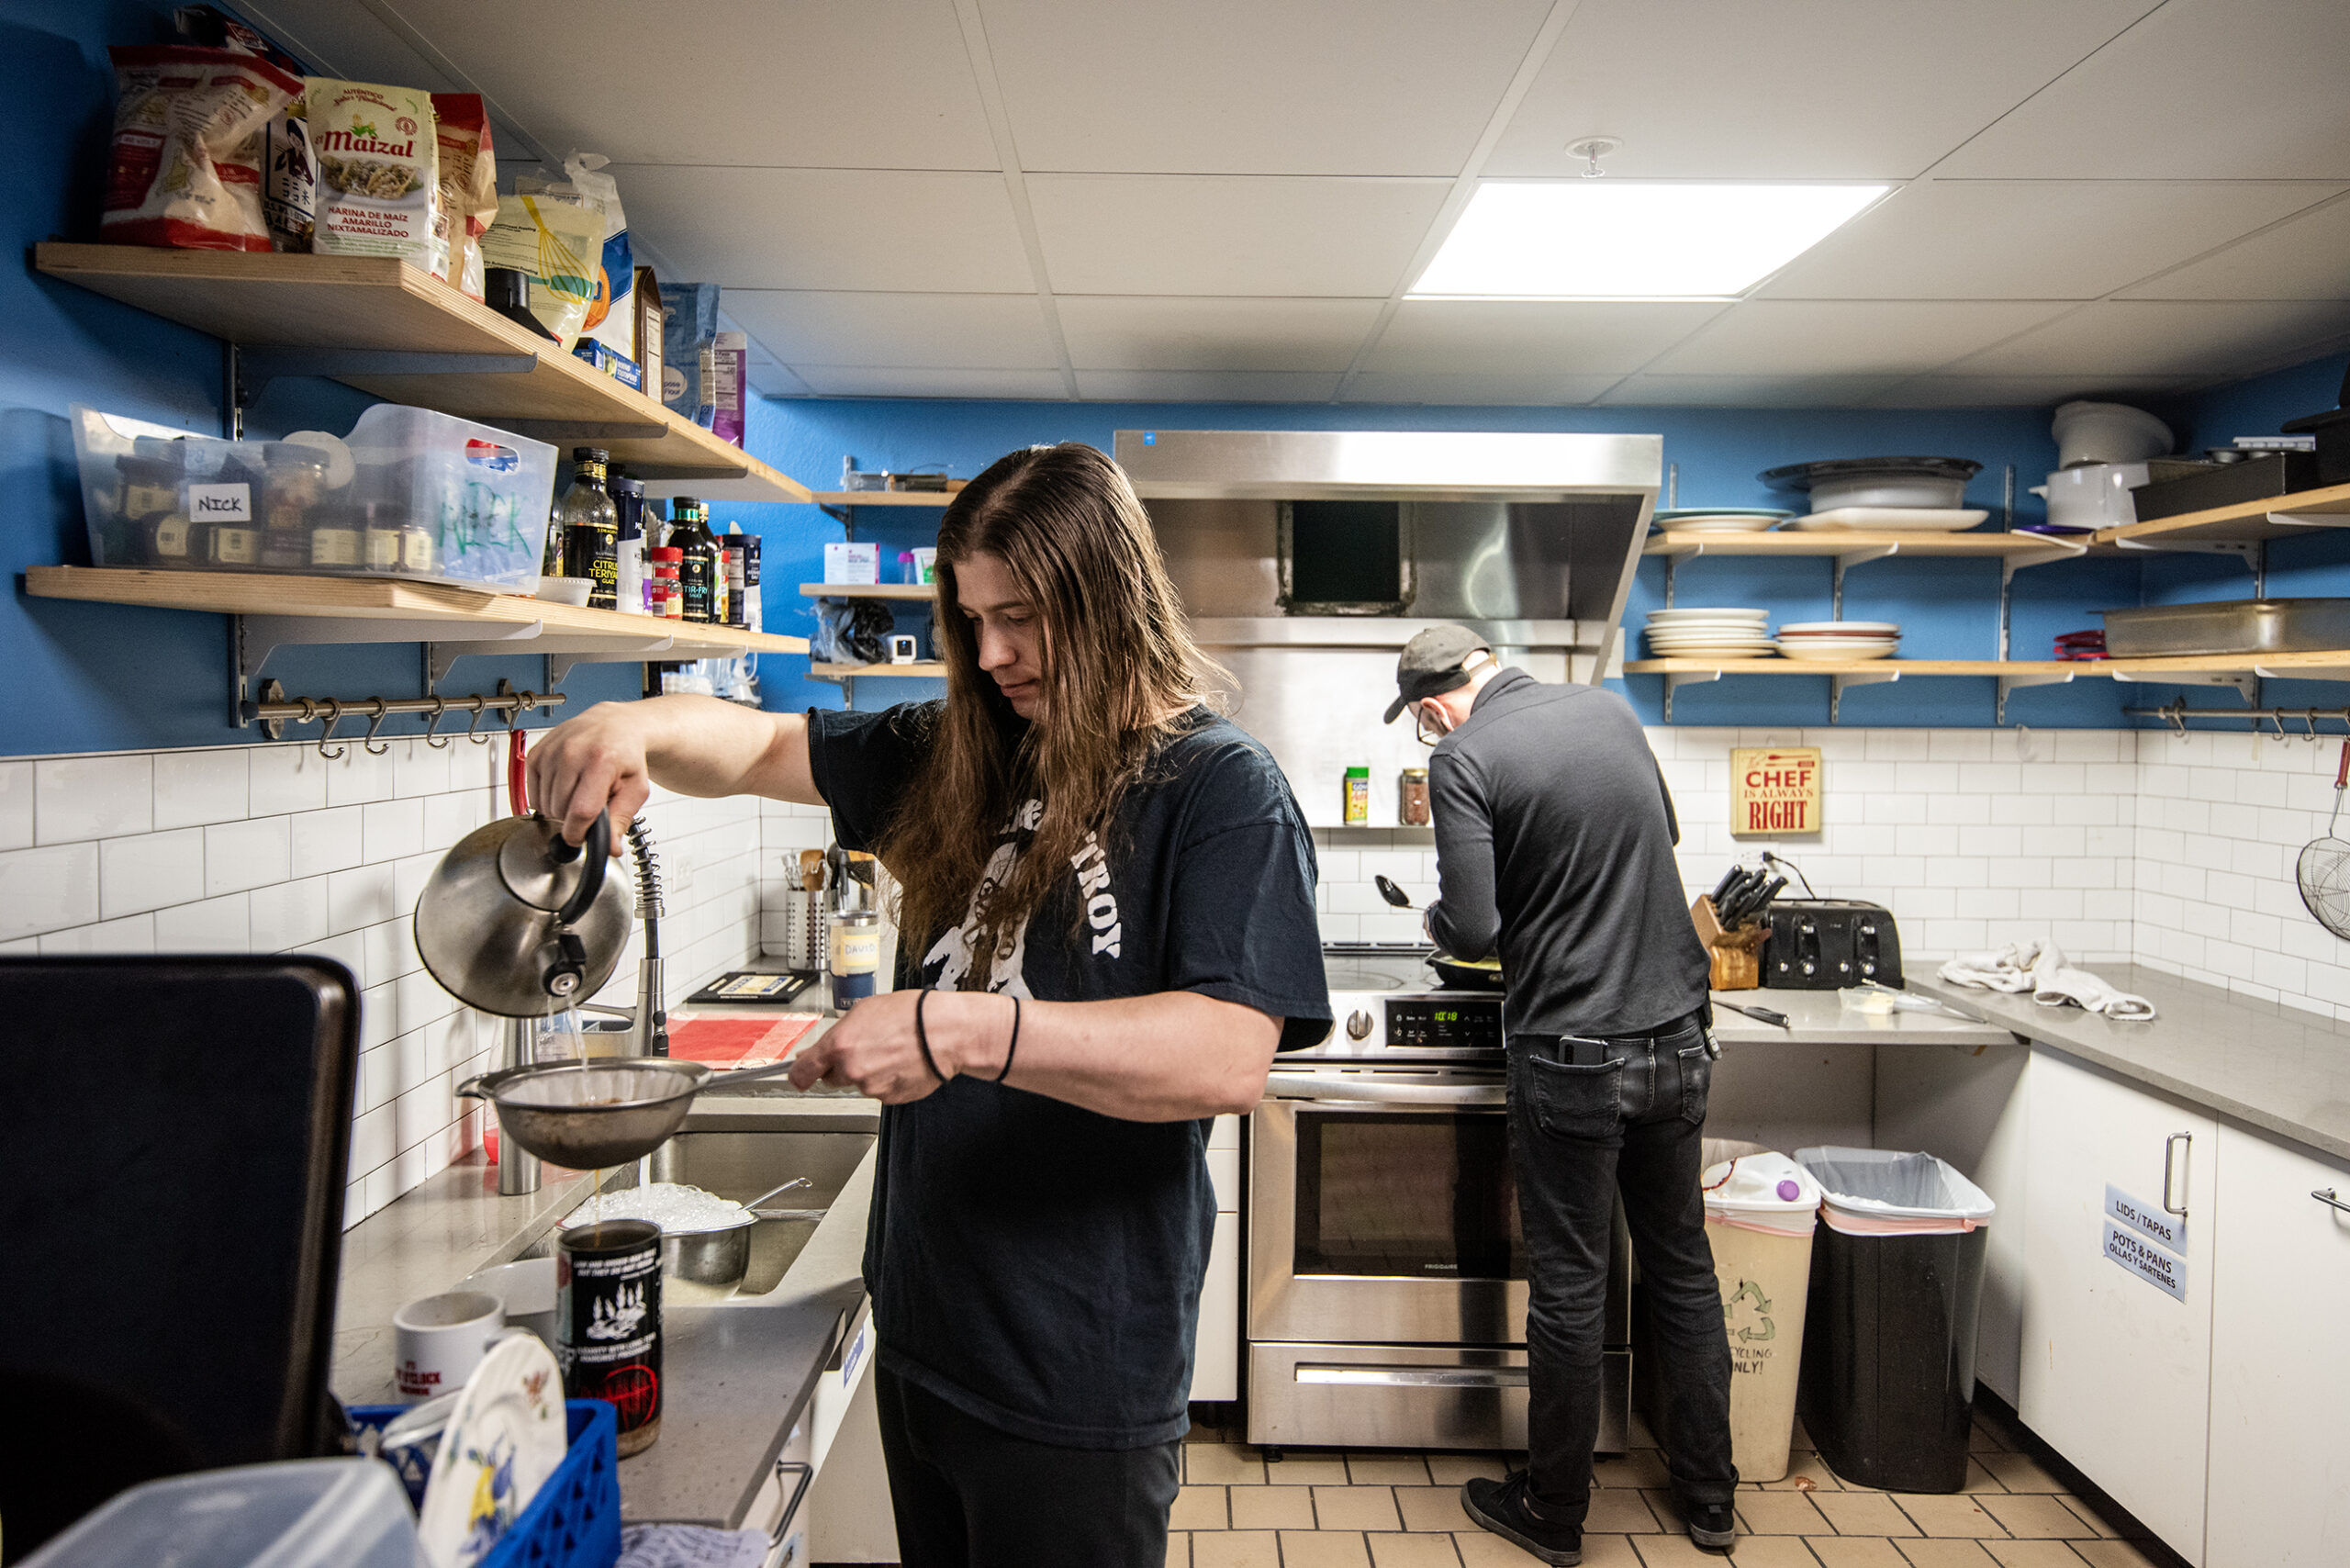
(1035,1265)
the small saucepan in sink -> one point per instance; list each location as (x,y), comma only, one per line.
(717,1254)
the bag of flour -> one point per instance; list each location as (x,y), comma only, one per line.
(185,165)
(378,169)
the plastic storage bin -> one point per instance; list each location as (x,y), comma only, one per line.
(303,1513)
(409,493)
(1887,1388)
(574,1521)
(1761,1210)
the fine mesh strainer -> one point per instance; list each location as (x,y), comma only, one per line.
(2325,869)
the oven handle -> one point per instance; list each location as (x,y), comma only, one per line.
(1412,1377)
(1345,1088)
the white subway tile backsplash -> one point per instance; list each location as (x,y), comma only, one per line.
(253,853)
(193,788)
(361,898)
(48,889)
(289,777)
(77,797)
(358,776)
(16,805)
(150,870)
(326,841)
(132,934)
(210,925)
(419,770)
(288,914)
(390,829)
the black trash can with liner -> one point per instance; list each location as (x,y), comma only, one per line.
(1887,1388)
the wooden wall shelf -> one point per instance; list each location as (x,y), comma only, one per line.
(2245,523)
(934,499)
(924,591)
(1858,545)
(925,670)
(380,305)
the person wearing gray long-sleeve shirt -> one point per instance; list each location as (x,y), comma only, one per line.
(1554,835)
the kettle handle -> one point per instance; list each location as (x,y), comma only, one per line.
(598,850)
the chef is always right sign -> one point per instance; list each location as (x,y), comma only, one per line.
(1773,791)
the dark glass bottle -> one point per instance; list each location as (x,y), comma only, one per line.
(689,532)
(590,525)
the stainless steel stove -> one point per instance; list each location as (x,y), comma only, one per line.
(1386,1268)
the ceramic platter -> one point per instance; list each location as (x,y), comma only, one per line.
(1891,519)
(507,1434)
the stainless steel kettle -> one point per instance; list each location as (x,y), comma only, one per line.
(516,922)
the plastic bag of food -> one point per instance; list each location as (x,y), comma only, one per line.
(290,168)
(184,169)
(557,246)
(689,350)
(611,314)
(378,169)
(730,359)
(469,189)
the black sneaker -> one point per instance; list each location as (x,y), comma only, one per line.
(1713,1526)
(1500,1506)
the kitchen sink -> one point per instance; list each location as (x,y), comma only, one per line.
(740,1151)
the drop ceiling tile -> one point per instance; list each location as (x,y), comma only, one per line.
(1207,386)
(1242,87)
(2022,391)
(2032,238)
(846,228)
(2200,89)
(1746,391)
(1800,89)
(1866,336)
(1532,337)
(1231,234)
(864,381)
(937,332)
(879,83)
(2306,257)
(2169,338)
(1121,332)
(1490,390)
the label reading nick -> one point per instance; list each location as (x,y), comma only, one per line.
(2149,1262)
(220,503)
(2168,1229)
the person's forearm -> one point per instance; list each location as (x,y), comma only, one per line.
(702,746)
(1167,1057)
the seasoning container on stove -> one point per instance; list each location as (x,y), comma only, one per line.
(1355,799)
(1412,797)
(608,1321)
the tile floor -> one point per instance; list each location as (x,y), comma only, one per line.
(1323,1509)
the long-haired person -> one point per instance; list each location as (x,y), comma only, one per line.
(1105,929)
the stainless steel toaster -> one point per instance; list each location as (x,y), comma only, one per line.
(1828,943)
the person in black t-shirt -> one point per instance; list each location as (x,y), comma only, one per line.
(1107,929)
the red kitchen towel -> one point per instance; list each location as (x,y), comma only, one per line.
(735,1042)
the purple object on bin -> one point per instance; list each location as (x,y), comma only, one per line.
(1788,1190)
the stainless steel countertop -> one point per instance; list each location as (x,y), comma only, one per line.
(736,1374)
(2275,1068)
(1821,1018)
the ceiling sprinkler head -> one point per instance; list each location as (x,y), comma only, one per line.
(1592,149)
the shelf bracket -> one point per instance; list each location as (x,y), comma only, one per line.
(2246,682)
(2017,682)
(252,639)
(2308,519)
(1674,682)
(253,368)
(2309,672)
(2198,546)
(563,652)
(1837,683)
(1671,572)
(439,655)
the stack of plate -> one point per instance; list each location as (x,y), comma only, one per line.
(1833,639)
(1721,519)
(1710,633)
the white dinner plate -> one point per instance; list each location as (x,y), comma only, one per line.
(1721,524)
(1800,652)
(1891,519)
(1696,613)
(1843,628)
(507,1434)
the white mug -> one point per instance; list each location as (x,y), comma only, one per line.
(442,1339)
(901,649)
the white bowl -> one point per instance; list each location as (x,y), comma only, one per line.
(1843,628)
(1815,652)
(1891,519)
(566,591)
(2106,433)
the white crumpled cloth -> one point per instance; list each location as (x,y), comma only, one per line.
(2040,968)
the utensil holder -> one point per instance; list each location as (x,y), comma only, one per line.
(804,947)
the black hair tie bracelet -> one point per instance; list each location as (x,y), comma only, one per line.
(1014,1046)
(922,1035)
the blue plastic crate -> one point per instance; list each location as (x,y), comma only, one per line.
(574,1521)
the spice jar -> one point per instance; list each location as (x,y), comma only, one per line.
(665,594)
(1412,797)
(1355,802)
(293,481)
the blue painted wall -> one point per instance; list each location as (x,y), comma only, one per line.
(88,677)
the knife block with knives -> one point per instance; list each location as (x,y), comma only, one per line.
(1729,924)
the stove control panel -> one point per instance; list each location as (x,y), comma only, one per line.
(1447,1025)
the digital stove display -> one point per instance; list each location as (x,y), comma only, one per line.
(1432,1024)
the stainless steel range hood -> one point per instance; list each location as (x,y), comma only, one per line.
(1529,539)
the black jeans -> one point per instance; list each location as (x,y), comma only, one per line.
(1627,1116)
(967,1496)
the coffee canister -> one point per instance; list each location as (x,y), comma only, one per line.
(608,1321)
(856,955)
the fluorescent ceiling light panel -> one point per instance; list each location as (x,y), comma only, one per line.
(1628,239)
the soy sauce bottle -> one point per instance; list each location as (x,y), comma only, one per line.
(591,526)
(699,572)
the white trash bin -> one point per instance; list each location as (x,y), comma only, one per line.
(1760,1213)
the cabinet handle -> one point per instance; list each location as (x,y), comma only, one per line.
(2170,1150)
(2325,1196)
(791,1509)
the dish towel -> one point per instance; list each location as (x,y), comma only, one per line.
(2039,968)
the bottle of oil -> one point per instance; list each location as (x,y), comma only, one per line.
(590,526)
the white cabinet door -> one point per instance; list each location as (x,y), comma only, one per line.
(1216,1365)
(2116,1373)
(2281,1362)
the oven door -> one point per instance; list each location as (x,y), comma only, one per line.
(1383,1210)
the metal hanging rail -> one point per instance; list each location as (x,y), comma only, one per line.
(275,711)
(2176,715)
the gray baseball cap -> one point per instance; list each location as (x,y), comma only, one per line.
(1431,664)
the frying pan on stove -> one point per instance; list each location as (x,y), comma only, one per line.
(1464,974)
